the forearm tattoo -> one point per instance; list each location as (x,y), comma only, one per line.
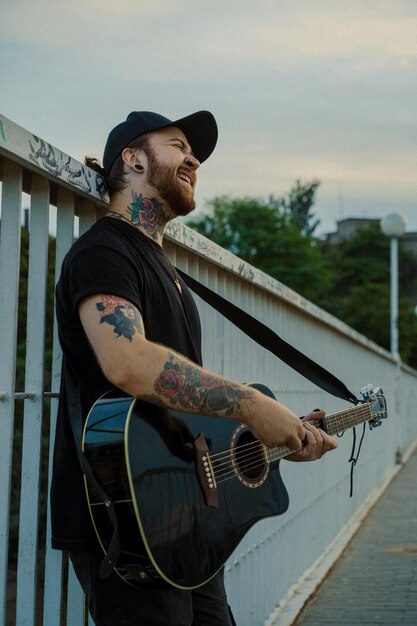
(121,314)
(188,386)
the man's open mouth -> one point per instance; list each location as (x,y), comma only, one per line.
(186,178)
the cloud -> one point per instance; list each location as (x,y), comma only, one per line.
(272,31)
(299,89)
(364,35)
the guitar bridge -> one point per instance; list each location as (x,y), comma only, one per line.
(205,472)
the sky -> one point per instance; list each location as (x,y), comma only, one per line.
(311,90)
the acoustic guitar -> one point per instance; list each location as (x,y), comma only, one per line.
(186,488)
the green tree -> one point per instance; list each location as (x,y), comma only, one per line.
(360,292)
(298,206)
(274,235)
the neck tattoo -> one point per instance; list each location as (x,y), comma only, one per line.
(145,213)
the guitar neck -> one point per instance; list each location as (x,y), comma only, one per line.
(332,424)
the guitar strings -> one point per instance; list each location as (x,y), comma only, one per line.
(222,458)
(229,475)
(239,457)
(219,457)
(214,459)
(252,455)
(244,445)
(236,452)
(257,446)
(232,474)
(338,419)
(254,461)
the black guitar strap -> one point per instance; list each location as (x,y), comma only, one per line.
(268,339)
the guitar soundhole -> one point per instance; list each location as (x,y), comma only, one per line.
(248,457)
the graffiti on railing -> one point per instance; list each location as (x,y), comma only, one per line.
(246,270)
(59,164)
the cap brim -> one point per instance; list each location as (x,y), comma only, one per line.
(201,131)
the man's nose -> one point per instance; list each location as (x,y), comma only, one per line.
(191,161)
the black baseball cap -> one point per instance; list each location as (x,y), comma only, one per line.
(200,129)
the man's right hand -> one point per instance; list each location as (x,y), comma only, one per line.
(273,423)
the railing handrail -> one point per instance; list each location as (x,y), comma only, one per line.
(39,156)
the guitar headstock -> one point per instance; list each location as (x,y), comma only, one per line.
(374,396)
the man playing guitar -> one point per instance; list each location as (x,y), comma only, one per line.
(127,320)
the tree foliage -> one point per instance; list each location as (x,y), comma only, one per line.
(298,207)
(360,290)
(349,279)
(274,235)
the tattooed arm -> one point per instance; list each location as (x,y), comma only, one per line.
(149,371)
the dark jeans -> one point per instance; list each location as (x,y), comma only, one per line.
(112,602)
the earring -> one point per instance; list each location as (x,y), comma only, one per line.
(138,167)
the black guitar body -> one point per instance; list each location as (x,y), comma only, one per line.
(174,527)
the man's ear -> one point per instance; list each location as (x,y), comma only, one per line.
(132,158)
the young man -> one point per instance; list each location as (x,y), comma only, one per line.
(126,320)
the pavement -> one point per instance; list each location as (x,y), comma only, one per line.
(375,580)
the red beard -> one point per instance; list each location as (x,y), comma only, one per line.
(165,180)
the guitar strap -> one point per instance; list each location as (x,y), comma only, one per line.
(269,340)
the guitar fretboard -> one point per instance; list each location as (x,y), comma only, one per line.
(332,424)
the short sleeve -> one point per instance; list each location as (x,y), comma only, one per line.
(100,269)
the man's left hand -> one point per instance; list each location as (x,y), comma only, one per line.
(316,442)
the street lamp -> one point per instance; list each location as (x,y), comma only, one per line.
(393,226)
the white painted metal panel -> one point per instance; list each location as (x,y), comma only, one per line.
(87,216)
(32,421)
(53,559)
(75,601)
(9,285)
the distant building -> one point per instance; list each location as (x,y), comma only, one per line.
(409,242)
(347,228)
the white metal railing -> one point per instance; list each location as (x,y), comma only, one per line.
(276,553)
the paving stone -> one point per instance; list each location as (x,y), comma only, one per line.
(375,580)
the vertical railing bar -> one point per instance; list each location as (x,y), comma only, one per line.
(235,333)
(53,559)
(32,422)
(9,285)
(76,603)
(87,215)
(220,330)
(210,348)
(200,272)
(76,600)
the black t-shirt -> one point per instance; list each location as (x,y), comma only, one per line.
(111,258)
